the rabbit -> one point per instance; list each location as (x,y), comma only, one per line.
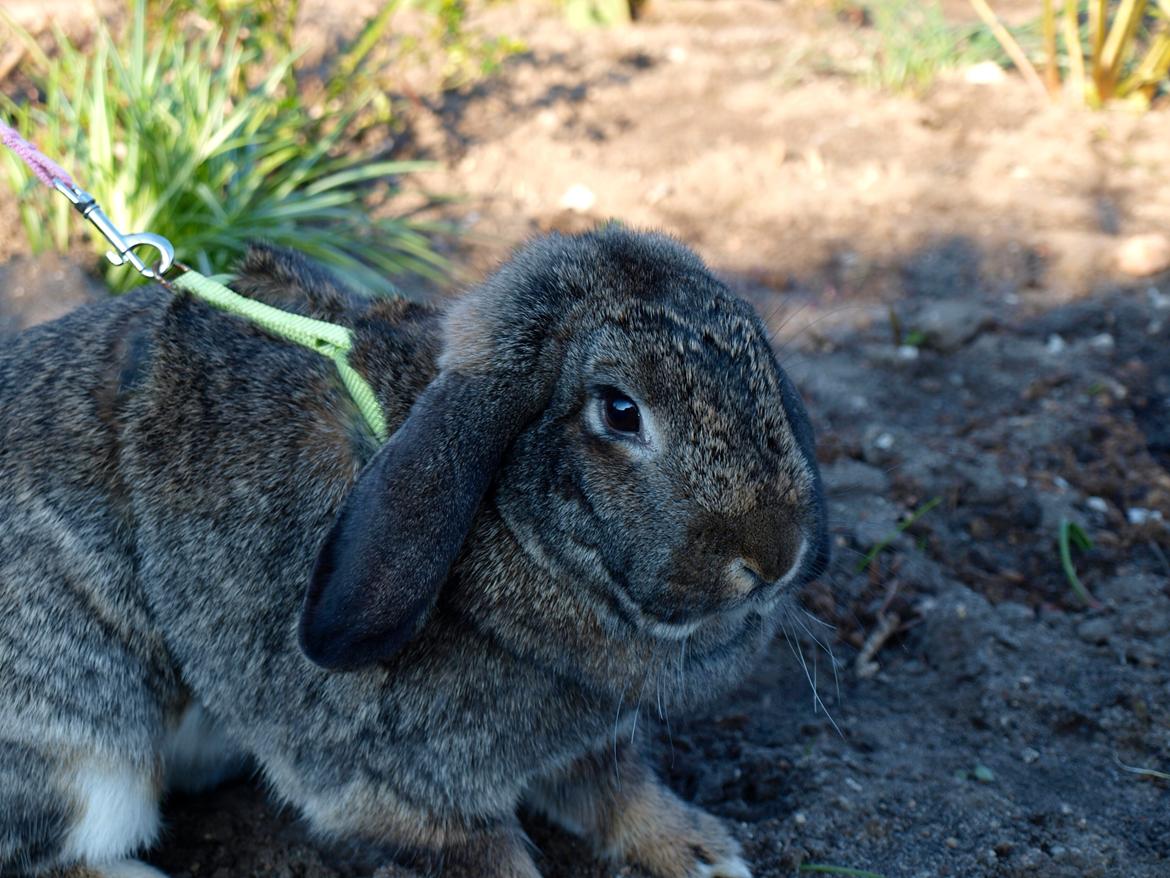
(600,484)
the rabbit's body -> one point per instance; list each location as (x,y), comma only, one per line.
(168,474)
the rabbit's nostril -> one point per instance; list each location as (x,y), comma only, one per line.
(772,548)
(745,576)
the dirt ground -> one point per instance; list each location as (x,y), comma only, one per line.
(941,276)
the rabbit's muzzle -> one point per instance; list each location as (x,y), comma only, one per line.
(728,561)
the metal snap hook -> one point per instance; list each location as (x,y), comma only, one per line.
(158,242)
(123,245)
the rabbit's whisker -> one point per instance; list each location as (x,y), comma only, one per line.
(796,651)
(833,663)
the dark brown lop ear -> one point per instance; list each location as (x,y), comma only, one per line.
(399,531)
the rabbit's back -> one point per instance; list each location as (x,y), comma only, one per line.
(140,437)
(87,687)
(66,541)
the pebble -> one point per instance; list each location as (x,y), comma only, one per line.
(578,198)
(853,476)
(949,324)
(1095,630)
(1102,342)
(1138,516)
(1143,255)
(984,73)
(1097,504)
(1029,755)
(1055,344)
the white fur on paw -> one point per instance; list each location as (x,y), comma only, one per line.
(118,807)
(128,869)
(734,867)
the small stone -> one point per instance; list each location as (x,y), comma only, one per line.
(1102,342)
(848,476)
(1029,755)
(951,842)
(1095,630)
(907,352)
(983,774)
(799,818)
(984,73)
(578,198)
(1143,255)
(947,325)
(1097,504)
(1055,344)
(1136,515)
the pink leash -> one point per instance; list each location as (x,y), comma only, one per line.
(47,170)
(52,174)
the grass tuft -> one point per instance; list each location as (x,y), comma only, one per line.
(894,534)
(200,135)
(917,44)
(1071,535)
(825,869)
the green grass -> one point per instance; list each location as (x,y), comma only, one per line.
(894,534)
(202,136)
(824,869)
(1071,535)
(917,44)
(1141,772)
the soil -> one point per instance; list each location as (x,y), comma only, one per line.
(940,274)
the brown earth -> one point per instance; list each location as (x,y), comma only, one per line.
(940,273)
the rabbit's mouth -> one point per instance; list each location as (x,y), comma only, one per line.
(745,592)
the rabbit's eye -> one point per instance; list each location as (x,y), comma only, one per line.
(621,412)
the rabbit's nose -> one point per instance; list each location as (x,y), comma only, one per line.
(771,543)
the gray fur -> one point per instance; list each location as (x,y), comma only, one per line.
(168,474)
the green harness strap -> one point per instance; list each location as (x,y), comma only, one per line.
(327,339)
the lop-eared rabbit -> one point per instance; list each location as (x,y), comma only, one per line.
(600,487)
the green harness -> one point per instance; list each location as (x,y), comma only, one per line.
(327,339)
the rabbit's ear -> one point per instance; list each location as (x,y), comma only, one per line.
(381,566)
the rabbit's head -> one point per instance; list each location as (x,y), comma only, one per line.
(630,419)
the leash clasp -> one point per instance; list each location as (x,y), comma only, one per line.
(123,245)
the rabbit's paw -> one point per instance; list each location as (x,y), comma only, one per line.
(120,869)
(502,854)
(675,840)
